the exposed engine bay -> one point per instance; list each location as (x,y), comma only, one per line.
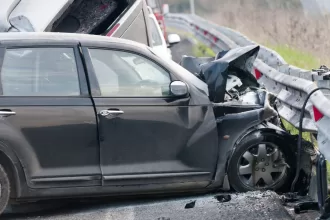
(232,87)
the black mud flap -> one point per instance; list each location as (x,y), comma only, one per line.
(322,187)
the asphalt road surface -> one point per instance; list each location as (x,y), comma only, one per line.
(249,206)
(185,47)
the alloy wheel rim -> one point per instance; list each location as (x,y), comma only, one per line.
(262,166)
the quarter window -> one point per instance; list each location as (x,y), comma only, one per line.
(124,74)
(40,72)
(156,37)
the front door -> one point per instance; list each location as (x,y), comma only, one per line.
(53,130)
(147,136)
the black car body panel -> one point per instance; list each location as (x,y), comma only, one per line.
(183,125)
(64,147)
(39,141)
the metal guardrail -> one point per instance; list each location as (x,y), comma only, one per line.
(291,84)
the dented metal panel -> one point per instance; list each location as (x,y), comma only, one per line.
(290,83)
(216,71)
(227,75)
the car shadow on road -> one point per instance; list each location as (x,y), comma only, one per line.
(51,208)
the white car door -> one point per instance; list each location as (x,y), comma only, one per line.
(158,41)
(25,15)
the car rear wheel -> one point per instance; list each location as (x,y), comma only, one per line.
(4,189)
(261,162)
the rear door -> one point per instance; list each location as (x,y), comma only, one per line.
(53,128)
(147,135)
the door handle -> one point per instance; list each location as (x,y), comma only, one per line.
(6,113)
(111,112)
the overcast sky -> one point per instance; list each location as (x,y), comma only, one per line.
(316,6)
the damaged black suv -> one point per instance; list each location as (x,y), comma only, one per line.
(89,115)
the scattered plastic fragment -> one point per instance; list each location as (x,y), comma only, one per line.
(223,198)
(190,205)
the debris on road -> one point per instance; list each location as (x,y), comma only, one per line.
(190,205)
(223,198)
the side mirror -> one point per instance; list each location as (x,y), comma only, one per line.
(173,39)
(179,88)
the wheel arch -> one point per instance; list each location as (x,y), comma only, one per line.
(265,128)
(13,168)
(21,154)
(279,136)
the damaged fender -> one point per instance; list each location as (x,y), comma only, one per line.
(290,142)
(231,128)
(243,109)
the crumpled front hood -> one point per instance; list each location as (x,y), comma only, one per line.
(215,71)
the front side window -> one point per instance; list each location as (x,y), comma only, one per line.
(124,74)
(39,72)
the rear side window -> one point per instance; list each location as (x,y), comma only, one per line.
(40,72)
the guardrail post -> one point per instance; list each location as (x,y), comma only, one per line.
(192,7)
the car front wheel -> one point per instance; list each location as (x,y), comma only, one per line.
(262,162)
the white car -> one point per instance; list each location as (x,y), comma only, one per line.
(115,18)
(159,44)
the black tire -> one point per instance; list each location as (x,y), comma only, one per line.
(4,189)
(256,139)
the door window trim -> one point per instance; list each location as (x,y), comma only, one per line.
(95,87)
(2,57)
(82,78)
